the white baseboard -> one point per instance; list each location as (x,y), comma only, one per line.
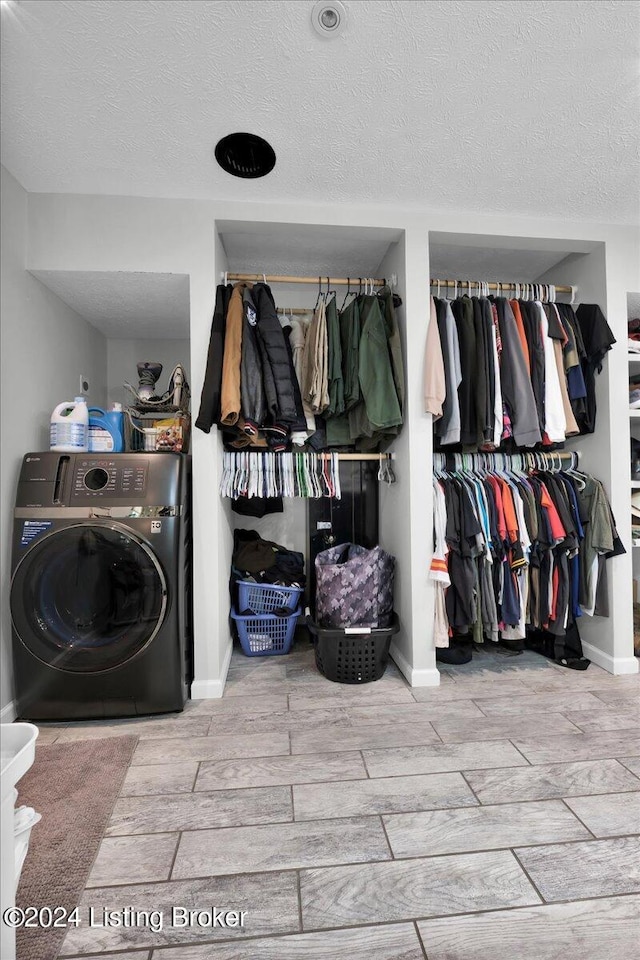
(615,665)
(8,713)
(416,678)
(212,689)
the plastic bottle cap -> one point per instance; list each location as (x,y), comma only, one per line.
(79,399)
(117,408)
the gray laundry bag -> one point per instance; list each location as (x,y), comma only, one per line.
(354,587)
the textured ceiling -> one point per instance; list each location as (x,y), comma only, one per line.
(131,306)
(523,106)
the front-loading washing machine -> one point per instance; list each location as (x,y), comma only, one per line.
(101,585)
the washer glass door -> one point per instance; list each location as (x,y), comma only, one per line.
(88,597)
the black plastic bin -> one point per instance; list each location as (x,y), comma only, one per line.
(352,654)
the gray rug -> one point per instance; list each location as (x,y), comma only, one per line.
(74,786)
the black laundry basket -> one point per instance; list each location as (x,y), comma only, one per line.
(352,654)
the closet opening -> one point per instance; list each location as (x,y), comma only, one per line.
(302,263)
(517,429)
(145,321)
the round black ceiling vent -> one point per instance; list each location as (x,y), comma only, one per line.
(245,155)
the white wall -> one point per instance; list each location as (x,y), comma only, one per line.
(45,348)
(123,355)
(68,232)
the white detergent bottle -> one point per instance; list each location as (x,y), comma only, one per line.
(69,430)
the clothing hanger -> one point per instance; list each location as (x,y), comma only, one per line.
(346,294)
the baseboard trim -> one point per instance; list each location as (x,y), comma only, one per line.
(616,665)
(416,678)
(8,713)
(212,689)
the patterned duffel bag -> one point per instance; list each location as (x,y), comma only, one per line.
(354,587)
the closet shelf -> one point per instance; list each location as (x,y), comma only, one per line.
(635,484)
(633,357)
(634,414)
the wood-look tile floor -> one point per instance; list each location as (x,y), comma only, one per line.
(492,818)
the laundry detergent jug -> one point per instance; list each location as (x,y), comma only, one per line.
(69,428)
(106,429)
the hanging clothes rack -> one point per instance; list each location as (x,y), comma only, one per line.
(299,474)
(522,462)
(522,291)
(322,280)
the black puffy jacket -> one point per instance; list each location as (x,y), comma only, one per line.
(209,412)
(277,367)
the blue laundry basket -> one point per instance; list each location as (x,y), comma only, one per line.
(266,597)
(264,634)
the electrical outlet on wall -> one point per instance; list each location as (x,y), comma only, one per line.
(84,386)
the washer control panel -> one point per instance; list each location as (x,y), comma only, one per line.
(96,477)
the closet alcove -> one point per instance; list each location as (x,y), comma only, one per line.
(141,316)
(304,250)
(580,263)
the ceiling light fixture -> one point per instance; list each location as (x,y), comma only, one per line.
(328,18)
(245,155)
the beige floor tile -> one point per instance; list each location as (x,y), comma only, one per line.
(600,721)
(589,930)
(551,780)
(345,896)
(270,901)
(180,749)
(481,828)
(369,694)
(337,739)
(238,706)
(269,771)
(264,725)
(199,811)
(442,757)
(587,746)
(283,846)
(411,712)
(507,727)
(369,797)
(122,860)
(160,778)
(392,942)
(151,728)
(538,703)
(596,868)
(470,691)
(632,763)
(612,815)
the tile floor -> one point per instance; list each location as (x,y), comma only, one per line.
(492,818)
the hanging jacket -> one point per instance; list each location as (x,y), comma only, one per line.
(275,357)
(463,312)
(251,383)
(209,412)
(433,379)
(315,383)
(230,403)
(381,408)
(297,340)
(334,362)
(516,385)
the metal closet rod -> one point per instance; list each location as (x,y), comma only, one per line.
(359,456)
(317,281)
(498,285)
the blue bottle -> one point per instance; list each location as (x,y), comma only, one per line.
(106,430)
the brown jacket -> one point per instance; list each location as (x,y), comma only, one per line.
(230,393)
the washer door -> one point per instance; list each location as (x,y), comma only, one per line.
(88,598)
